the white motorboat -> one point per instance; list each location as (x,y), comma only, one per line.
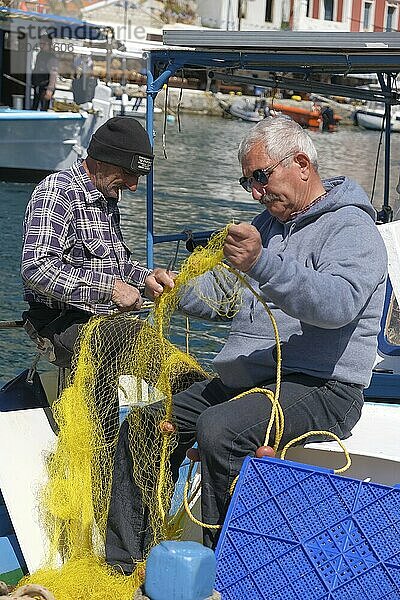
(245,110)
(35,143)
(371,116)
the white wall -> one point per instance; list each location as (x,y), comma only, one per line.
(213,13)
(223,14)
(255,18)
(307,24)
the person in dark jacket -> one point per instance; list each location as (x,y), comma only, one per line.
(44,75)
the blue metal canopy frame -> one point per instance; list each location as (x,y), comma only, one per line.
(339,54)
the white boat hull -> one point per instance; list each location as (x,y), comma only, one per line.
(33,144)
(245,113)
(374,120)
(374,447)
(375,457)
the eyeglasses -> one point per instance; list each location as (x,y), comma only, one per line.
(260,176)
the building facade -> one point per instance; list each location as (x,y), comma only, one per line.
(320,15)
(301,15)
(136,20)
(244,15)
(249,15)
(375,15)
(345,15)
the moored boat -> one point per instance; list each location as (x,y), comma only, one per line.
(372,116)
(314,117)
(245,110)
(34,143)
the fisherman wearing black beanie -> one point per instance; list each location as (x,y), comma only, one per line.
(123,142)
(83,266)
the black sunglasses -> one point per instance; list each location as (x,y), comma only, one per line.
(260,176)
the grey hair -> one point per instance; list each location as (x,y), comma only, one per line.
(280,136)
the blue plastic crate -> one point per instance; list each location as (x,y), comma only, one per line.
(298,532)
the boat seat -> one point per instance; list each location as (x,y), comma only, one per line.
(374,447)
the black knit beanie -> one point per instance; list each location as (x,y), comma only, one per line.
(122,141)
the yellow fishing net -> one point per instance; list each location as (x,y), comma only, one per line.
(120,357)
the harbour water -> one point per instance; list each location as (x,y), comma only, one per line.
(196,189)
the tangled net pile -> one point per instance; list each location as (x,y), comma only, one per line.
(117,354)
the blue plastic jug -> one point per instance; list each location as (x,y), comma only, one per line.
(180,571)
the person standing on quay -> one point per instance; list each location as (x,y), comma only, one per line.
(44,75)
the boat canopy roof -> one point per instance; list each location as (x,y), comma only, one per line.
(57,25)
(228,55)
(314,41)
(276,51)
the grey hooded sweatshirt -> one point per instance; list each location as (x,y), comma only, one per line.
(323,276)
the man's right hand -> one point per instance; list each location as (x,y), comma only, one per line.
(126,297)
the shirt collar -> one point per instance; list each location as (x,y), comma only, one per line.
(84,180)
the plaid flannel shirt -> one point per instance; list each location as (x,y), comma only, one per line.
(73,249)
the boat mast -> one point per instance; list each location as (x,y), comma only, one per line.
(386,213)
(150,176)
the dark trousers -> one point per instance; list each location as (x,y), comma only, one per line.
(39,92)
(226,432)
(54,329)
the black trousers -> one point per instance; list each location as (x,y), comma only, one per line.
(226,432)
(39,101)
(56,328)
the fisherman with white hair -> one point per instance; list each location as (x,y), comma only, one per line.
(315,256)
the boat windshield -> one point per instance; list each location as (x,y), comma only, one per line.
(379,106)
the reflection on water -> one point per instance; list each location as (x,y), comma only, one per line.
(196,189)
